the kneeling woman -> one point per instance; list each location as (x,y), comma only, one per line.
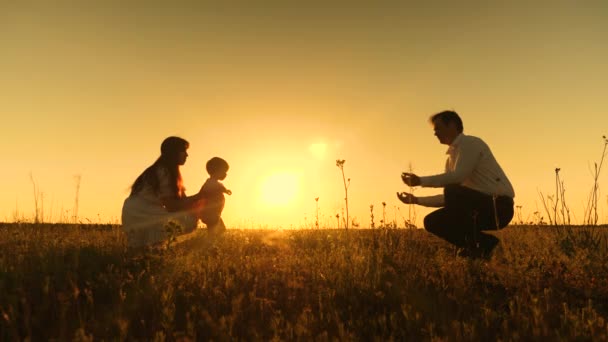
(158,197)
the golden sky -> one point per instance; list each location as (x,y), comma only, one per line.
(283,89)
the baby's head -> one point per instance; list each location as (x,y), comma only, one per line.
(217,168)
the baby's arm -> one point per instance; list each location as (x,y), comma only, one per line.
(226,191)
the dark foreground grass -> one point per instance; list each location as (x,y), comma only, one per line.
(81,283)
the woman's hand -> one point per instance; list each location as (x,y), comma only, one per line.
(185,203)
(172,204)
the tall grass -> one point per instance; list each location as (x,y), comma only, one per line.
(77,179)
(346,183)
(80,282)
(38,201)
(591,216)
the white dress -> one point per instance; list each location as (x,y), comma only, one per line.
(144,217)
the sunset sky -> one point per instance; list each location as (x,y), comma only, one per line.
(282,89)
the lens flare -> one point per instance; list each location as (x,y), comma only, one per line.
(279,189)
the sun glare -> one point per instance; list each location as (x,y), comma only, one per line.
(279,189)
(318,150)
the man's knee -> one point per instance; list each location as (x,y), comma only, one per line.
(430,223)
(505,219)
(505,211)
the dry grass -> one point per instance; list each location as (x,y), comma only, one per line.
(79,282)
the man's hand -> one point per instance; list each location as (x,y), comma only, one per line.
(407,198)
(229,192)
(410,179)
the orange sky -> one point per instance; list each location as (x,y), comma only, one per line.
(283,90)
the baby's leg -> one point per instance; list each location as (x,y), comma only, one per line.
(210,220)
(216,225)
(220,227)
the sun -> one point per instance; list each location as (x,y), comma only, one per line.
(318,150)
(279,189)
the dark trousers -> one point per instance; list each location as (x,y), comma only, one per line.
(466,213)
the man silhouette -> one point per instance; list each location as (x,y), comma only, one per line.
(477,195)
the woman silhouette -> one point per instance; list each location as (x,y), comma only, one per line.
(158,197)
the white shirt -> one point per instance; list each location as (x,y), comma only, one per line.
(471,164)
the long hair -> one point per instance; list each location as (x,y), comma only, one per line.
(169,161)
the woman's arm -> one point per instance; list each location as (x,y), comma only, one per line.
(169,199)
(176,204)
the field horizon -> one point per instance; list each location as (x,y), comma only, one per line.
(81,282)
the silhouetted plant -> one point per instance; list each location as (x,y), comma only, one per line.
(317,212)
(395,216)
(558,200)
(38,202)
(539,220)
(552,202)
(411,213)
(371,214)
(591,216)
(77,179)
(546,203)
(384,214)
(557,169)
(173,230)
(565,210)
(346,182)
(518,214)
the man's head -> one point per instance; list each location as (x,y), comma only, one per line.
(447,126)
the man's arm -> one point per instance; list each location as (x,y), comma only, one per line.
(432,201)
(465,161)
(426,201)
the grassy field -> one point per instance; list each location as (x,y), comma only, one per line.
(79,282)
